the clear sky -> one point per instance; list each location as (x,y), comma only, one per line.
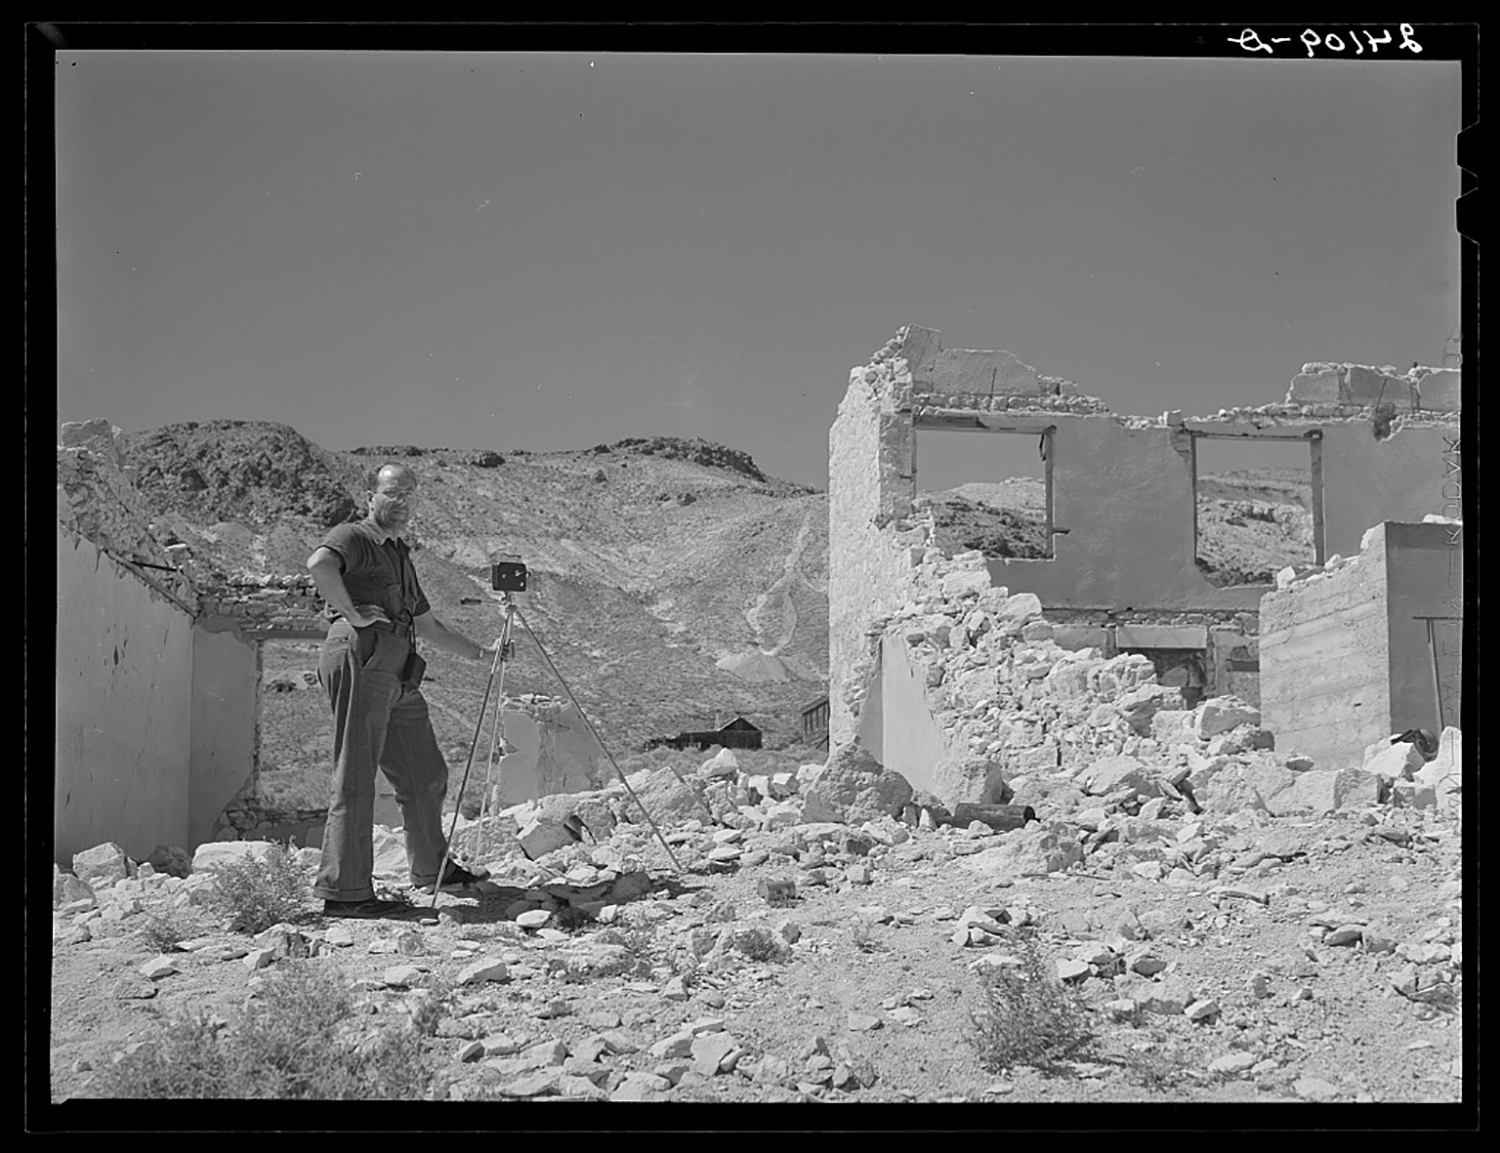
(554,251)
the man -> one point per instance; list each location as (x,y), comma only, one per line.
(380,717)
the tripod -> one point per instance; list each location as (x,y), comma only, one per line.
(504,651)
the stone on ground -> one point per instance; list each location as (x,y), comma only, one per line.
(101,866)
(853,787)
(975,780)
(217,854)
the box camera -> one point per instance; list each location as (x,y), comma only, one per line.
(508,574)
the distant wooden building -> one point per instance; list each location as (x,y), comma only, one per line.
(737,734)
(815,723)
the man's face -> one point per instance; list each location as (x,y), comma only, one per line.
(394,500)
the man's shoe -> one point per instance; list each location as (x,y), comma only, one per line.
(457,879)
(368,910)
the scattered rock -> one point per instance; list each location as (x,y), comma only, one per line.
(101,866)
(1315,1089)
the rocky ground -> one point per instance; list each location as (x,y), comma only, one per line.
(1224,955)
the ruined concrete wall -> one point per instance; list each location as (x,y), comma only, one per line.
(1124,508)
(970,671)
(912,743)
(157,704)
(124,707)
(1344,660)
(225,713)
(554,752)
(1325,686)
(1367,481)
(873,538)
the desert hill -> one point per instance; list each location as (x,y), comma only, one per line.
(672,582)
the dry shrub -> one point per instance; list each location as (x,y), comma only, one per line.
(256,894)
(296,1041)
(1028,1018)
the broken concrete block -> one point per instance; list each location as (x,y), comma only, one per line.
(1397,761)
(958,584)
(1018,611)
(722,764)
(1110,773)
(1440,391)
(539,837)
(1140,706)
(853,787)
(1324,387)
(970,779)
(1413,795)
(1324,792)
(101,866)
(66,888)
(216,854)
(1220,714)
(1367,386)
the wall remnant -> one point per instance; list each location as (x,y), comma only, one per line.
(551,750)
(157,698)
(1350,655)
(934,656)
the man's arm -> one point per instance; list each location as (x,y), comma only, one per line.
(327,573)
(429,628)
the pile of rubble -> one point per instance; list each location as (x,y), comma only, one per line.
(572,888)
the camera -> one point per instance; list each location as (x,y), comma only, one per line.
(508,574)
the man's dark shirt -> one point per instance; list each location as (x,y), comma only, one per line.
(373,572)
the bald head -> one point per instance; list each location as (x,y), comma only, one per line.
(390,468)
(393,498)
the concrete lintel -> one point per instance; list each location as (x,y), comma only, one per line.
(1161,636)
(985,422)
(1239,428)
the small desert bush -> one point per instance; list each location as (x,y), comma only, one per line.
(1159,1070)
(640,943)
(861,938)
(256,894)
(1028,1017)
(163,930)
(298,1041)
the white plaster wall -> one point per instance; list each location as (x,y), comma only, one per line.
(870,561)
(1368,481)
(124,708)
(225,712)
(911,741)
(1125,497)
(554,753)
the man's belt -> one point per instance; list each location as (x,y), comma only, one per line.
(408,631)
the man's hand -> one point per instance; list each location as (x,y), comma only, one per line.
(366,615)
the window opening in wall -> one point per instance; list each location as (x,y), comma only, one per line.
(296,728)
(1186,670)
(1255,508)
(991,490)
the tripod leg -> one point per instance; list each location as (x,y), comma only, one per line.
(671,856)
(486,803)
(468,764)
